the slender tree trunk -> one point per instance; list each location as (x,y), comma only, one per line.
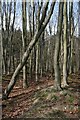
(33,56)
(37,44)
(5,60)
(61,62)
(72,41)
(24,23)
(41,54)
(9,65)
(50,50)
(46,51)
(57,83)
(31,17)
(1,51)
(3,38)
(48,59)
(13,63)
(37,61)
(10,35)
(1,58)
(79,38)
(64,81)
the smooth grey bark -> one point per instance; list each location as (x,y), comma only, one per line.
(29,13)
(37,44)
(7,31)
(57,82)
(49,50)
(12,31)
(72,41)
(27,53)
(61,54)
(3,38)
(40,43)
(76,55)
(37,62)
(24,40)
(42,54)
(69,41)
(30,16)
(64,80)
(32,56)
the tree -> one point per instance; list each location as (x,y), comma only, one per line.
(24,24)
(5,51)
(72,40)
(37,44)
(1,52)
(57,82)
(32,31)
(64,81)
(78,42)
(43,22)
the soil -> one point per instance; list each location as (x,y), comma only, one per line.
(41,100)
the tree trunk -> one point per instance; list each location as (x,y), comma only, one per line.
(33,56)
(57,83)
(64,81)
(37,44)
(37,61)
(25,83)
(1,52)
(61,60)
(72,41)
(41,54)
(31,17)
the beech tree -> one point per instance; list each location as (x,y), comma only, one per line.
(57,82)
(43,22)
(37,44)
(64,81)
(32,31)
(24,39)
(71,41)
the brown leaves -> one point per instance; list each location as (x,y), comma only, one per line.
(23,101)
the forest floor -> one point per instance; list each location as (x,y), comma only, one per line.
(41,100)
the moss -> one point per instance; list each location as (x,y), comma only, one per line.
(54,97)
(56,114)
(71,99)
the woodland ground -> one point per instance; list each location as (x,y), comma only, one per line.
(41,100)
